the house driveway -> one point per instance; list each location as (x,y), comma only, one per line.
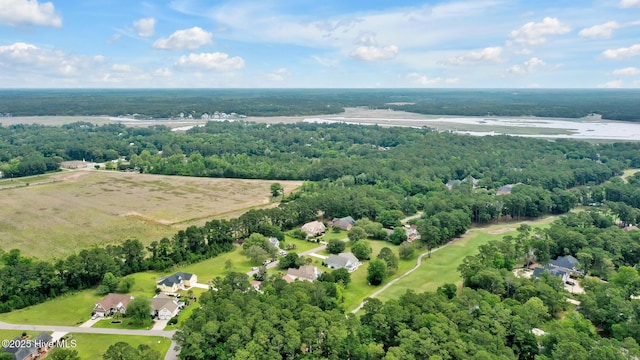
(159,324)
(318,256)
(200,286)
(91,322)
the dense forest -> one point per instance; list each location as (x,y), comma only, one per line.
(379,175)
(611,104)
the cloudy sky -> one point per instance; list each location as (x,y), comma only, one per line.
(320,44)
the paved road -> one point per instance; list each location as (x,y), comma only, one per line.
(171,354)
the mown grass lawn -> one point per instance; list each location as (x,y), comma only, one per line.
(184,315)
(442,267)
(208,270)
(124,323)
(93,346)
(12,334)
(69,310)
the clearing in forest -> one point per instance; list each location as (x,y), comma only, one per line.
(54,215)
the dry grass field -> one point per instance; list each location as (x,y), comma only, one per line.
(53,215)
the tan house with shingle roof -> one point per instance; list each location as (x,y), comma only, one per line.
(165,307)
(314,228)
(112,303)
(305,273)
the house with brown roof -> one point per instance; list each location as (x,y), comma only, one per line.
(345,223)
(314,228)
(304,273)
(112,303)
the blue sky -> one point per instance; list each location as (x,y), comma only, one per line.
(319,44)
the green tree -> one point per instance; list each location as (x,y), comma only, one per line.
(389,257)
(291,260)
(139,309)
(110,281)
(256,254)
(398,236)
(63,354)
(276,189)
(120,351)
(406,250)
(390,218)
(356,233)
(362,250)
(126,284)
(376,272)
(335,246)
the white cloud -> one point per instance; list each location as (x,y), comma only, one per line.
(490,54)
(615,84)
(145,27)
(278,75)
(423,80)
(99,58)
(527,67)
(374,53)
(121,68)
(28,12)
(628,71)
(622,53)
(210,61)
(420,79)
(186,39)
(602,31)
(629,3)
(164,72)
(324,61)
(533,33)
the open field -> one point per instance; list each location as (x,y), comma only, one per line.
(10,334)
(51,216)
(93,346)
(442,267)
(67,310)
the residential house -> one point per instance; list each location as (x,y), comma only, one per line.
(505,190)
(112,303)
(27,350)
(314,228)
(345,223)
(562,266)
(554,271)
(451,183)
(412,233)
(304,273)
(274,242)
(568,263)
(343,260)
(176,282)
(165,307)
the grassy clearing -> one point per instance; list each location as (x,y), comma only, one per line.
(124,324)
(72,210)
(442,267)
(183,316)
(627,173)
(93,346)
(11,334)
(69,310)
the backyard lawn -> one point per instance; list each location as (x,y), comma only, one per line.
(93,346)
(69,310)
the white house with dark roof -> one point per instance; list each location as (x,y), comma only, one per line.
(343,260)
(176,282)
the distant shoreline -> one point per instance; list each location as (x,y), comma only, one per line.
(587,128)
